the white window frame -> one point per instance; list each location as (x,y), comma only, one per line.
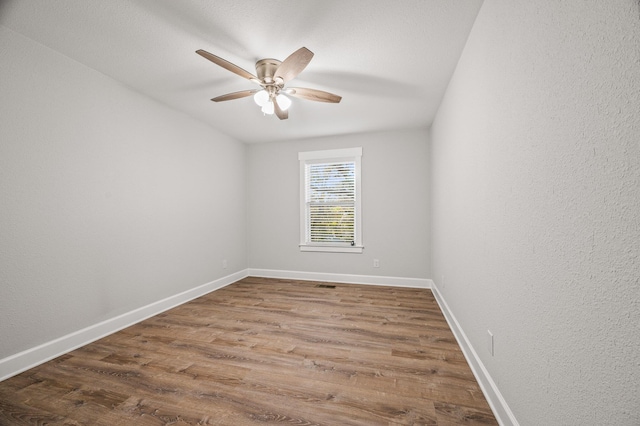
(328,156)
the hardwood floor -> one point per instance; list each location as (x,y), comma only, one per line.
(263,351)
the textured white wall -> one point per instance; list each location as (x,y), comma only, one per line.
(394,204)
(536,206)
(109,201)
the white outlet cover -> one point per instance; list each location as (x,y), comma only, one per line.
(490,342)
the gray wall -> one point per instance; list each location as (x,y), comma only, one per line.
(394,204)
(535,206)
(110,201)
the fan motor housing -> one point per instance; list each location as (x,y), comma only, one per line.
(266,68)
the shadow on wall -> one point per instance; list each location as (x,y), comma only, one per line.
(3,5)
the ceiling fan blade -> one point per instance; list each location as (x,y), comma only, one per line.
(294,64)
(282,114)
(234,95)
(313,95)
(227,65)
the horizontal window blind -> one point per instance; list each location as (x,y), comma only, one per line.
(330,202)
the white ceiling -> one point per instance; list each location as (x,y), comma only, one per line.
(390,60)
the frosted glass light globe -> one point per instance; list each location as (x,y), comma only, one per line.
(283,102)
(261,97)
(268,108)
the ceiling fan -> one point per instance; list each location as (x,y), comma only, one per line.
(272,75)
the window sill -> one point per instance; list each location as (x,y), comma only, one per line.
(332,249)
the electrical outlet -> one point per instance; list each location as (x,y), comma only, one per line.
(224,263)
(490,343)
(376,263)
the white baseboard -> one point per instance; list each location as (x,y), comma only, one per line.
(15,364)
(342,278)
(501,410)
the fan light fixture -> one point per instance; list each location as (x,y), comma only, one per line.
(263,99)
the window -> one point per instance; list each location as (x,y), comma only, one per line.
(330,200)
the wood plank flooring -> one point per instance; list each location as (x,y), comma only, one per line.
(263,351)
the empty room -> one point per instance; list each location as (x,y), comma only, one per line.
(337,212)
